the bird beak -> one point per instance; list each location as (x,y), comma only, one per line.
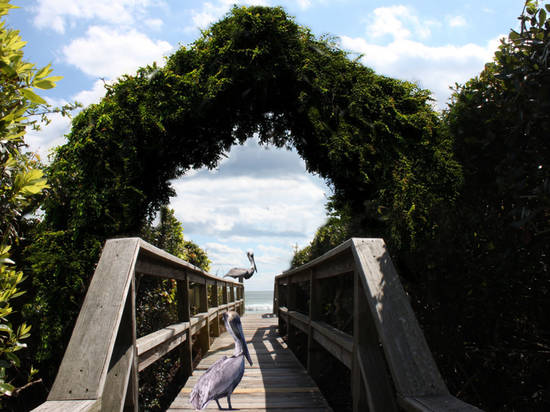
(245,350)
(244,345)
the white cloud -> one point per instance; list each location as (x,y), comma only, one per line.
(304,4)
(154,24)
(213,11)
(94,95)
(245,206)
(55,14)
(399,22)
(405,56)
(457,21)
(107,52)
(52,135)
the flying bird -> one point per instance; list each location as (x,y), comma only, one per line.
(239,273)
(223,376)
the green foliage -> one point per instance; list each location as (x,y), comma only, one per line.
(328,236)
(376,140)
(157,307)
(499,122)
(20,181)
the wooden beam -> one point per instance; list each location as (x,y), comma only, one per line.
(84,367)
(371,386)
(435,403)
(338,343)
(410,361)
(70,406)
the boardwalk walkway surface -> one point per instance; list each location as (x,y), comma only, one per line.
(276,382)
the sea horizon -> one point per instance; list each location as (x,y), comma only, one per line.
(258,301)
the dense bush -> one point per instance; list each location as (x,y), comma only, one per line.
(480,284)
(21,184)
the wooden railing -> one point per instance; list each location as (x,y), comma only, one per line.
(99,371)
(386,335)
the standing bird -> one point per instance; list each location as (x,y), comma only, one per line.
(242,272)
(223,376)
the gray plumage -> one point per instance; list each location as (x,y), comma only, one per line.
(222,377)
(242,272)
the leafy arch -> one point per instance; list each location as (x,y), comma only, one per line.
(375,139)
(255,71)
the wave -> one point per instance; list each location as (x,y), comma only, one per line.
(259,307)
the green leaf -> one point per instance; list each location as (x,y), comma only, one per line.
(7,69)
(542,17)
(43,72)
(6,388)
(44,84)
(33,97)
(13,358)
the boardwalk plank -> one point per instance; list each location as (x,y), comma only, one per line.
(276,381)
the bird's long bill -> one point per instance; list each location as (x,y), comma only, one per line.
(244,345)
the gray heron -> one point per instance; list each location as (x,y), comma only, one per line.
(223,376)
(239,273)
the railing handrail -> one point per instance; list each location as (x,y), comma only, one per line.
(99,370)
(382,314)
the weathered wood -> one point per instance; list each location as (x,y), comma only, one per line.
(338,343)
(370,384)
(383,318)
(184,315)
(104,357)
(435,403)
(84,367)
(412,366)
(224,294)
(276,381)
(342,248)
(299,320)
(122,361)
(152,347)
(70,406)
(215,323)
(314,353)
(291,327)
(204,334)
(131,402)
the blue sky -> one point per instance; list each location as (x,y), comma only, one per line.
(260,199)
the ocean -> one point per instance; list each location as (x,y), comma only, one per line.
(258,301)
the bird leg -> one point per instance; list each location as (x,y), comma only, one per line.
(229,402)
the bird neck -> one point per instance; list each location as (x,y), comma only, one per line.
(239,350)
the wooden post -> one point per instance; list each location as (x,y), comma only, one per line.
(291,330)
(276,299)
(314,353)
(241,296)
(204,334)
(132,394)
(232,293)
(184,313)
(370,386)
(216,322)
(123,367)
(224,294)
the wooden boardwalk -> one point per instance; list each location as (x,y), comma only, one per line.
(276,382)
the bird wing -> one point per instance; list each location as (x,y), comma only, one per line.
(236,272)
(218,381)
